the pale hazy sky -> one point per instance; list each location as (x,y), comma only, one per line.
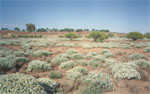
(116,15)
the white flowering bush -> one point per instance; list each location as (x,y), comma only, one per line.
(109,62)
(143,63)
(136,56)
(147,49)
(76,72)
(20,84)
(100,79)
(36,65)
(59,59)
(73,75)
(67,65)
(70,54)
(125,71)
(39,53)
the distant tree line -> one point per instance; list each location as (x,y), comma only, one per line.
(32,28)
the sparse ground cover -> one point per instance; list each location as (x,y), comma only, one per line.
(78,66)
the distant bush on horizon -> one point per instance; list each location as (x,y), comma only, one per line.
(135,35)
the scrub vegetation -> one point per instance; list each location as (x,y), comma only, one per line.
(70,61)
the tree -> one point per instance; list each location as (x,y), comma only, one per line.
(4,29)
(23,30)
(41,30)
(98,36)
(79,30)
(135,35)
(67,29)
(104,30)
(71,36)
(16,29)
(147,35)
(30,27)
(86,29)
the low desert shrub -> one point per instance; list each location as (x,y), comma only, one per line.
(49,85)
(4,43)
(20,84)
(67,65)
(55,75)
(95,63)
(59,59)
(91,54)
(4,52)
(39,53)
(22,59)
(135,35)
(91,89)
(125,71)
(109,62)
(19,53)
(71,52)
(76,72)
(36,65)
(7,62)
(139,46)
(73,75)
(143,63)
(76,56)
(82,62)
(136,56)
(107,53)
(80,69)
(147,49)
(103,80)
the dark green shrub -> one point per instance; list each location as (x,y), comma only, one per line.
(147,35)
(7,62)
(39,53)
(98,36)
(49,85)
(135,35)
(71,36)
(21,59)
(54,74)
